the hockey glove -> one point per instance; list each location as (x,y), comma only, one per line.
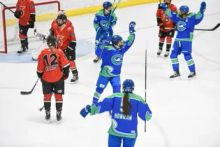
(85,111)
(70,51)
(162,6)
(202,7)
(131,26)
(31,24)
(148,116)
(66,72)
(18,14)
(39,74)
(31,21)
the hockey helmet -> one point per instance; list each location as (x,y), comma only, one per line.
(51,41)
(116,38)
(107,4)
(128,86)
(61,18)
(184,9)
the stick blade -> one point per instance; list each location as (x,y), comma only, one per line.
(25,92)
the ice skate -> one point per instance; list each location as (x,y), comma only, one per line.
(176,74)
(192,74)
(166,54)
(74,78)
(59,115)
(159,52)
(22,50)
(47,117)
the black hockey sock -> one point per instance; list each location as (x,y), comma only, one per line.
(47,106)
(59,106)
(168,47)
(161,45)
(26,43)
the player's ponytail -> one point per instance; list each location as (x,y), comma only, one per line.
(128,87)
(126,104)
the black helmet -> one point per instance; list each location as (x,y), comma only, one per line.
(51,41)
(61,16)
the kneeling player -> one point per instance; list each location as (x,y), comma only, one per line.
(52,69)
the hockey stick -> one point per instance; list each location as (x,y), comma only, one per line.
(116,6)
(29,92)
(145,84)
(212,29)
(7,7)
(40,35)
(40,109)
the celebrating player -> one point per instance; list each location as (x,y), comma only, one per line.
(125,107)
(52,69)
(185,22)
(63,30)
(25,12)
(166,27)
(112,58)
(103,22)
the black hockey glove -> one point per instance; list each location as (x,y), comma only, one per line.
(70,51)
(66,72)
(31,24)
(32,20)
(39,74)
(18,14)
(131,26)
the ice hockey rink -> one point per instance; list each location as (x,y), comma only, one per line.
(186,113)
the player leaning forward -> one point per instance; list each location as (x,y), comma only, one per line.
(25,12)
(62,28)
(185,23)
(52,69)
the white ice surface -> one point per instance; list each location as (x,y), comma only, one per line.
(186,112)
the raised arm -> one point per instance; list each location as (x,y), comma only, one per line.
(199,15)
(128,43)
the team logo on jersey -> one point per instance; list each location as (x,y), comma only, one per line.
(117,59)
(104,24)
(181,26)
(60,39)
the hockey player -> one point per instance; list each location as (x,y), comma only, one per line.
(52,69)
(103,22)
(112,58)
(125,107)
(63,30)
(25,12)
(166,27)
(185,22)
